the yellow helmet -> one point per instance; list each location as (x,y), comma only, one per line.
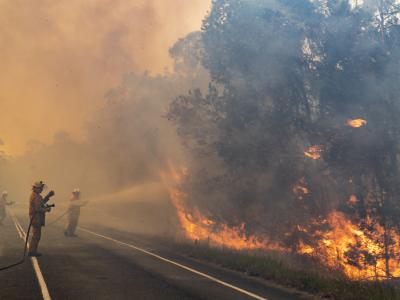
(38,185)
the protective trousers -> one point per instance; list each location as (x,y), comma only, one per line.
(36,234)
(2,214)
(73,218)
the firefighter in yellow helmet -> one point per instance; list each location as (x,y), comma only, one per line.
(37,214)
(74,212)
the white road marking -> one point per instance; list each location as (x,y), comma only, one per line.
(250,294)
(18,229)
(42,283)
(35,263)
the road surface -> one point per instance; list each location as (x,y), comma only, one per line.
(108,264)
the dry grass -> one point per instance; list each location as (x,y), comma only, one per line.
(312,279)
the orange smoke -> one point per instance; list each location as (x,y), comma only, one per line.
(58,54)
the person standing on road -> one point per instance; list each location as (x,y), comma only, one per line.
(3,203)
(37,215)
(74,211)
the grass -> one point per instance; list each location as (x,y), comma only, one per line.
(314,282)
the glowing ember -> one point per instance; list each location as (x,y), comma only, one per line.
(353,199)
(301,189)
(298,189)
(313,152)
(356,123)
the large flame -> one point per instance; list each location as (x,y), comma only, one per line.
(331,249)
(335,243)
(356,123)
(198,227)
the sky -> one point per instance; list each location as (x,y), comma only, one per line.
(59,58)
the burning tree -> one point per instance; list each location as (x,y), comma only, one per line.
(254,118)
(358,79)
(303,96)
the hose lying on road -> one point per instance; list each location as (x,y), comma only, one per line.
(43,204)
(20,262)
(26,241)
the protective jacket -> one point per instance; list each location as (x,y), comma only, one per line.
(3,203)
(37,210)
(74,211)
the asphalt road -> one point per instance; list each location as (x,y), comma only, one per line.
(108,264)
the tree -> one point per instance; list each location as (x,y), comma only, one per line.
(287,76)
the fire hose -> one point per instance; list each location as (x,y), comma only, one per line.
(26,241)
(22,260)
(62,215)
(29,229)
(59,218)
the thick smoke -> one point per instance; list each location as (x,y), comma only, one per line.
(127,144)
(60,58)
(58,61)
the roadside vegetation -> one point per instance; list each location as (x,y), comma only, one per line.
(328,284)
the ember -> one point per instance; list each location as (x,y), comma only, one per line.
(313,152)
(301,189)
(356,123)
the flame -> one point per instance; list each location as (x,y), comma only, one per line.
(300,189)
(353,200)
(335,243)
(356,123)
(198,227)
(313,152)
(331,249)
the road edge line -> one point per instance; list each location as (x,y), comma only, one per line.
(250,294)
(34,261)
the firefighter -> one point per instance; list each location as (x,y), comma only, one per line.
(3,203)
(37,214)
(74,211)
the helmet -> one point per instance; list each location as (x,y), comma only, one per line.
(76,192)
(38,185)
